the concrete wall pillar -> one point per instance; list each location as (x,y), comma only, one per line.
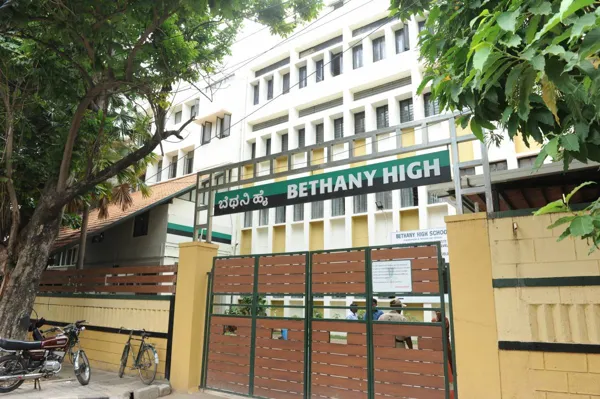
(195,262)
(476,335)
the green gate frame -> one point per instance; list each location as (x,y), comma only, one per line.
(308,315)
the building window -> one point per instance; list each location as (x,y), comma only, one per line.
(66,258)
(193,110)
(206,132)
(421,26)
(286,83)
(159,168)
(406,111)
(432,198)
(263,217)
(247,219)
(189,162)
(359,122)
(252,150)
(268,147)
(499,165)
(320,71)
(360,203)
(284,142)
(298,212)
(319,133)
(383,119)
(409,197)
(378,49)
(140,224)
(402,43)
(178,117)
(336,64)
(173,167)
(526,162)
(338,128)
(302,76)
(338,206)
(301,138)
(225,125)
(256,89)
(270,89)
(204,195)
(432,107)
(280,214)
(357,56)
(316,211)
(384,200)
(467,171)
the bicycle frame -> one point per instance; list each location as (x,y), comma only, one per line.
(136,357)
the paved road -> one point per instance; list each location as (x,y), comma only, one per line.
(102,385)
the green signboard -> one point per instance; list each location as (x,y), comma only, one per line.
(415,171)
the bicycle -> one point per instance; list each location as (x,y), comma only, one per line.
(146,360)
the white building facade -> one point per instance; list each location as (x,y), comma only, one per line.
(352,70)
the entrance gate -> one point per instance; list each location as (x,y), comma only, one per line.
(249,352)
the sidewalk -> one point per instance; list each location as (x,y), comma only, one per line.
(103,384)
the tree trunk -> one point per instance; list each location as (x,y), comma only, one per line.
(83,237)
(22,286)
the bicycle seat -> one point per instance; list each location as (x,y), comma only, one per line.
(14,345)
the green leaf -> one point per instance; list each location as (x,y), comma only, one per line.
(567,8)
(538,62)
(582,130)
(555,49)
(506,114)
(553,207)
(508,20)
(481,55)
(513,41)
(552,148)
(544,8)
(564,234)
(476,129)
(549,96)
(581,23)
(528,54)
(581,226)
(532,28)
(590,44)
(539,160)
(512,79)
(525,89)
(561,221)
(576,189)
(570,142)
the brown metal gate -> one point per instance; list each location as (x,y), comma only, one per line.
(246,352)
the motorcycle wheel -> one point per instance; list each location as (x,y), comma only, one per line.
(11,365)
(82,368)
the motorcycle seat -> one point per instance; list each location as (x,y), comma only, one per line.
(14,345)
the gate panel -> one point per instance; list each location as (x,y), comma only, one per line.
(339,359)
(279,363)
(229,355)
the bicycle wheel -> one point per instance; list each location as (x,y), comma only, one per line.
(11,365)
(83,371)
(147,364)
(124,360)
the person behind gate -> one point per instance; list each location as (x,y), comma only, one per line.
(376,312)
(396,315)
(353,310)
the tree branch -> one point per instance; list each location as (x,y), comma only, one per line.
(156,22)
(125,162)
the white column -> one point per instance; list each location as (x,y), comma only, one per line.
(423,215)
(390,42)
(371,209)
(348,220)
(327,67)
(306,226)
(367,44)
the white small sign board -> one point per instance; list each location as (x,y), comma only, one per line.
(392,276)
(419,236)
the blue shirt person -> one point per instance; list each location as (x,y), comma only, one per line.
(376,312)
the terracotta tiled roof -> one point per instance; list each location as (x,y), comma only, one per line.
(158,193)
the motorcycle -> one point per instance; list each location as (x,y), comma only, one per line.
(42,358)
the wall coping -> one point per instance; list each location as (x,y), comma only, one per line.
(466,217)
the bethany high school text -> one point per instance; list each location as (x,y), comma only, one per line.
(393,174)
